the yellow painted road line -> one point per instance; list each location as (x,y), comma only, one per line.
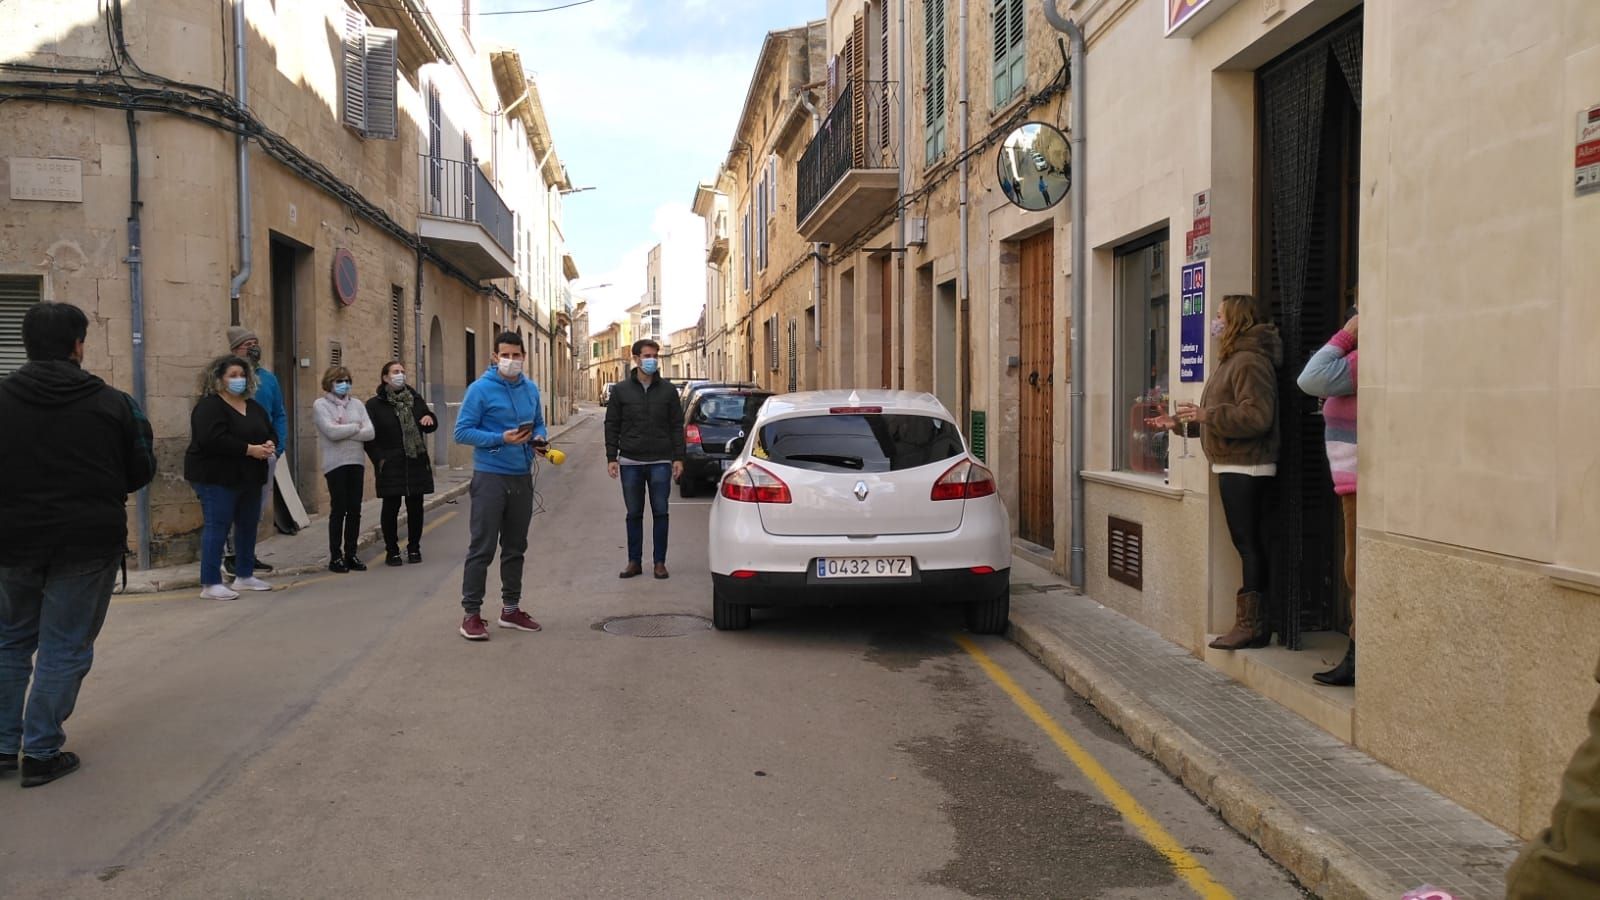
(1182,862)
(295,583)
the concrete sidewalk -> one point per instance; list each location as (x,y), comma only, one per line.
(307,550)
(1345,825)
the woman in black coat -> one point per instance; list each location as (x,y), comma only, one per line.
(399,452)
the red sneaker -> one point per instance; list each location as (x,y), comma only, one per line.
(474,629)
(516,618)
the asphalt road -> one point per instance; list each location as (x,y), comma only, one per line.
(338,738)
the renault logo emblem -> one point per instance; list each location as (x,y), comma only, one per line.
(861,491)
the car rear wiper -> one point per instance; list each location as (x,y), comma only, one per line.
(844,462)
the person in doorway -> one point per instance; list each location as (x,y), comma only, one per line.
(399,453)
(342,430)
(1331,373)
(230,442)
(242,342)
(1564,860)
(1237,423)
(644,447)
(72,450)
(502,420)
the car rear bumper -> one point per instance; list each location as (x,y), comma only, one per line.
(805,589)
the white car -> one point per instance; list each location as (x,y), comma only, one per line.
(837,496)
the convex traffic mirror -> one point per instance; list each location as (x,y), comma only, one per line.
(1035,166)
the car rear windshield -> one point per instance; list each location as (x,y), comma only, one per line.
(885,442)
(740,406)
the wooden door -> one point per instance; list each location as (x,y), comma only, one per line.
(1036,518)
(886,319)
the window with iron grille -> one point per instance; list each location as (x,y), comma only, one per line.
(774,360)
(18,294)
(1010,59)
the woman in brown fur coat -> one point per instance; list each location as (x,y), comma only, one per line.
(1237,423)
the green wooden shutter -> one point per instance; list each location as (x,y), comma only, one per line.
(978,436)
(1010,59)
(18,294)
(934,103)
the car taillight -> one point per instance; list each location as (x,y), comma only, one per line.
(753,484)
(966,480)
(691,434)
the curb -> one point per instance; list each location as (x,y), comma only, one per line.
(1323,865)
(370,536)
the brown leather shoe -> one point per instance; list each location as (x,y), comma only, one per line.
(661,570)
(632,571)
(1249,625)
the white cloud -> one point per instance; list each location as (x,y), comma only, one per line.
(681,234)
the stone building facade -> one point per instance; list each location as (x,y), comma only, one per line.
(374,229)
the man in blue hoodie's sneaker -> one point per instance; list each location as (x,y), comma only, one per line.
(502,420)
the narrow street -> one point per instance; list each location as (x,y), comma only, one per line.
(338,738)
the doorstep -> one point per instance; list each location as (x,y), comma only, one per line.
(1284,677)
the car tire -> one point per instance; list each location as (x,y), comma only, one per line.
(727,615)
(688,486)
(990,616)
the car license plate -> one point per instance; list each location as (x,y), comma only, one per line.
(724,464)
(864,567)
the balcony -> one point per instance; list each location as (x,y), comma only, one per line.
(717,249)
(849,177)
(464,220)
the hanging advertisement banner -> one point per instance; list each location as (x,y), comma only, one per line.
(1192,328)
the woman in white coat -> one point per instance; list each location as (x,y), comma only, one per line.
(342,428)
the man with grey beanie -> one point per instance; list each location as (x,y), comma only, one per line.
(242,342)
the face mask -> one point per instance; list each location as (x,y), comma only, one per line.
(650,366)
(255,354)
(1217,326)
(510,368)
(236,386)
(397,380)
(341,387)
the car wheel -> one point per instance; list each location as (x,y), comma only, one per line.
(688,486)
(727,615)
(989,616)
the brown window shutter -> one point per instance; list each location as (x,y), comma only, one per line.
(1125,552)
(859,101)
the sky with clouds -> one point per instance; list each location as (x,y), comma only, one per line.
(642,96)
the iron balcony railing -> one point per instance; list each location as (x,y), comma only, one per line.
(453,189)
(856,134)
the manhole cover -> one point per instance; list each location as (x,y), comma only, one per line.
(656,625)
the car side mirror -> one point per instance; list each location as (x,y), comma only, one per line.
(735,444)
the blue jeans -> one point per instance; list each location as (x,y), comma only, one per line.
(235,509)
(55,610)
(657,477)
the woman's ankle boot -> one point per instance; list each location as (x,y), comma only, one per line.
(1247,611)
(1342,675)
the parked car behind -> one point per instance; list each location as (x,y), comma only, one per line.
(605,393)
(838,496)
(713,418)
(690,390)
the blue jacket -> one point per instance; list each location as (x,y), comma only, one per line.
(492,407)
(270,396)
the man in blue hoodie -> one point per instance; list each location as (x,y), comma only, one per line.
(502,420)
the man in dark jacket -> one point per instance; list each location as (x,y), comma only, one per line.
(72,450)
(644,446)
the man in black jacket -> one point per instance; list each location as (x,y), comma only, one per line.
(72,450)
(644,446)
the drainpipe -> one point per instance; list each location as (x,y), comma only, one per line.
(1080,277)
(965,215)
(816,248)
(416,321)
(240,92)
(900,212)
(135,263)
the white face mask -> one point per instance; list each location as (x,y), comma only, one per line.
(397,380)
(510,368)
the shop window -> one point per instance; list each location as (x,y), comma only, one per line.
(1141,379)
